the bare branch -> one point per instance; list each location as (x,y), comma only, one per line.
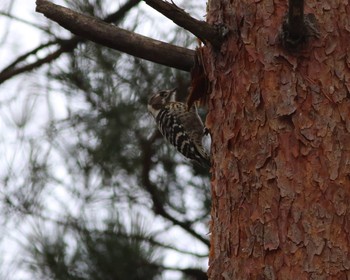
(75,225)
(121,11)
(158,204)
(154,242)
(116,38)
(3,39)
(21,20)
(26,55)
(298,27)
(192,273)
(63,46)
(296,19)
(10,72)
(203,30)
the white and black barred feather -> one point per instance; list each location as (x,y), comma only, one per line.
(183,128)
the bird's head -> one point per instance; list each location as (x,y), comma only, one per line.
(159,99)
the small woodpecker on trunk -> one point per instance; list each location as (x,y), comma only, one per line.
(181,126)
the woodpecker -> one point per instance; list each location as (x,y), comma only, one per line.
(181,126)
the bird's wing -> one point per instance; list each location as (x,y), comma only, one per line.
(184,130)
(191,122)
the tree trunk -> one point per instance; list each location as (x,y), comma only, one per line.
(280,123)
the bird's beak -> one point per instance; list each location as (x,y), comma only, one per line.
(173,94)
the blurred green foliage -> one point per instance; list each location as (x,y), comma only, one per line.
(105,158)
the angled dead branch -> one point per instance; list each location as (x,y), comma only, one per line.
(203,30)
(294,29)
(116,38)
(118,15)
(11,71)
(296,20)
(23,57)
(298,27)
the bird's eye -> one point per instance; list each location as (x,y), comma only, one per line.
(162,93)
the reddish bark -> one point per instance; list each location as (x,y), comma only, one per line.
(280,125)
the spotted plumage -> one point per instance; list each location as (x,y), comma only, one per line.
(183,128)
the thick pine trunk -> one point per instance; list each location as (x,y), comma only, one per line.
(280,125)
